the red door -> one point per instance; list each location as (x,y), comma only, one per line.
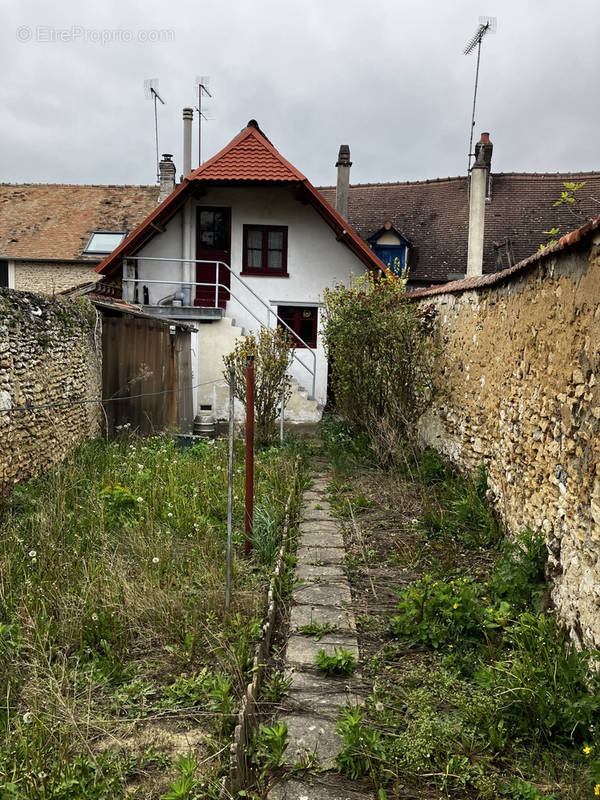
(213,244)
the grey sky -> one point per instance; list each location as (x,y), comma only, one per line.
(387,77)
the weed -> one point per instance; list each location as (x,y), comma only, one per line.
(341,662)
(362,752)
(270,745)
(317,630)
(519,573)
(275,687)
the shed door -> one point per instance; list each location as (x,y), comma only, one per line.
(213,244)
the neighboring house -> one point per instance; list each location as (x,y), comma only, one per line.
(53,236)
(245,240)
(430,219)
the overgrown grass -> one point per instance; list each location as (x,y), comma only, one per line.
(476,691)
(112,622)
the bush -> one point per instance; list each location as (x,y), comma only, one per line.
(273,350)
(381,358)
(548,688)
(452,613)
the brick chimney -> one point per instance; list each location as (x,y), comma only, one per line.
(188,117)
(478,192)
(343,181)
(166,173)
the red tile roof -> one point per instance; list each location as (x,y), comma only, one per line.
(434,216)
(249,157)
(467,284)
(54,221)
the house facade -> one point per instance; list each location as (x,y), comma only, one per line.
(244,241)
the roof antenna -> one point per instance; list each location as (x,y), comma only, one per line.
(151,93)
(202,82)
(486,25)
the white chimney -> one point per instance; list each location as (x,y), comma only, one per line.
(343,181)
(188,116)
(166,174)
(478,191)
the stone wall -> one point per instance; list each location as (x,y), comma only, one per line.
(519,391)
(51,278)
(50,352)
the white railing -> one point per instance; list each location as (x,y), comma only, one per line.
(186,287)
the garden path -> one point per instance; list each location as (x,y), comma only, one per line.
(322,596)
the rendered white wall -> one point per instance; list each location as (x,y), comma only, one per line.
(315,259)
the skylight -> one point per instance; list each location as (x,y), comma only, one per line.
(104,242)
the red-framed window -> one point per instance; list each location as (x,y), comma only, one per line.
(303,321)
(265,250)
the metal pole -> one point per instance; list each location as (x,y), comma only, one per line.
(230,487)
(282,411)
(474,101)
(249,453)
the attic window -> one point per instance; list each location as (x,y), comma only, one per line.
(102,243)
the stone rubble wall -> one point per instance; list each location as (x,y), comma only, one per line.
(50,352)
(51,278)
(518,381)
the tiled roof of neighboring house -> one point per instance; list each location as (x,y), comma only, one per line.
(477,281)
(55,221)
(249,157)
(434,216)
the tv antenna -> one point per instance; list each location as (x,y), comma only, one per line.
(486,25)
(202,82)
(151,93)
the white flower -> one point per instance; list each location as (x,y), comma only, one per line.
(94,617)
(32,553)
(379,706)
(140,499)
(27,717)
(155,560)
(169,514)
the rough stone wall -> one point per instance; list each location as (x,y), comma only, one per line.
(50,352)
(519,381)
(51,278)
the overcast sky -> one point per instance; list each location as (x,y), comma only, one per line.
(387,77)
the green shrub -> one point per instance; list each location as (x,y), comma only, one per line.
(446,612)
(548,688)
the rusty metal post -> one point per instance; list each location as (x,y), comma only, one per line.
(249,453)
(230,487)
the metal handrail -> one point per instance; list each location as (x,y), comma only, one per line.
(218,286)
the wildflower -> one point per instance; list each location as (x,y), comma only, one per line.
(587,750)
(27,717)
(451,583)
(484,598)
(597,789)
(140,499)
(379,706)
(94,617)
(169,514)
(32,553)
(451,646)
(455,606)
(155,560)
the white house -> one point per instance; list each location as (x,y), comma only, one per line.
(244,240)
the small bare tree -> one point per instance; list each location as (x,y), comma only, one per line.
(273,351)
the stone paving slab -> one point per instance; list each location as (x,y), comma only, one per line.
(327,572)
(320,538)
(301,615)
(316,789)
(308,690)
(310,526)
(320,555)
(302,650)
(312,733)
(323,593)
